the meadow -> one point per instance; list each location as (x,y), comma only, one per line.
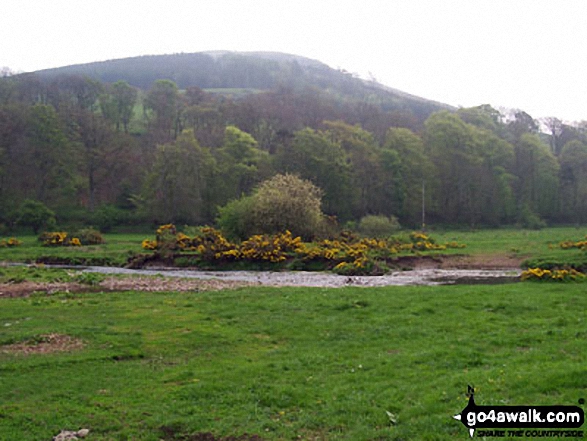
(287,363)
(517,243)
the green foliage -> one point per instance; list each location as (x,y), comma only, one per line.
(163,100)
(108,216)
(286,202)
(378,226)
(529,219)
(195,151)
(36,215)
(177,188)
(89,236)
(314,156)
(235,219)
(573,181)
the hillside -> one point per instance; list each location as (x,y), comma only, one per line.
(250,70)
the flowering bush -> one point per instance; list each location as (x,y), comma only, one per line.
(554,275)
(211,244)
(58,238)
(149,244)
(12,242)
(568,244)
(275,248)
(346,254)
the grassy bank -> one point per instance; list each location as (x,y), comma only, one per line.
(288,363)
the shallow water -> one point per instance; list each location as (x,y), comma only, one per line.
(323,279)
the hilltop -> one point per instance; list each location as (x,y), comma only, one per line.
(250,71)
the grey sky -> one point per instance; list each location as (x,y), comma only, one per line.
(527,54)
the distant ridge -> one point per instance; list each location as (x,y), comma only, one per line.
(248,70)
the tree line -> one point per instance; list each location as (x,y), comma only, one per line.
(108,154)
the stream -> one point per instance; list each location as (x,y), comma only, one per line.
(323,279)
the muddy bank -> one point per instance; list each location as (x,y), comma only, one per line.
(116,284)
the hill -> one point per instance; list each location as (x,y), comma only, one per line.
(248,70)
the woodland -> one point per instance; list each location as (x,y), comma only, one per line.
(136,150)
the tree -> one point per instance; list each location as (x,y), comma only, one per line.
(284,202)
(362,153)
(241,165)
(162,101)
(407,169)
(125,97)
(573,181)
(521,123)
(484,117)
(450,146)
(118,103)
(536,171)
(46,168)
(555,127)
(473,170)
(313,156)
(36,215)
(177,188)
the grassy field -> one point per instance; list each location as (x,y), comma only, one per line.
(524,244)
(288,363)
(114,252)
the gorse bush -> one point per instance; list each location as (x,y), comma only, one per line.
(554,275)
(59,239)
(569,244)
(346,254)
(12,242)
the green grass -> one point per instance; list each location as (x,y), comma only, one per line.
(510,241)
(525,244)
(114,252)
(290,363)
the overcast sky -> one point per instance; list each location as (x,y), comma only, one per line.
(527,54)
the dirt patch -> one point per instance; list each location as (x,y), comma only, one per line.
(44,344)
(153,284)
(473,262)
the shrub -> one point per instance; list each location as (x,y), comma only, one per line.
(12,242)
(554,275)
(236,218)
(284,202)
(378,226)
(580,244)
(287,202)
(36,215)
(108,216)
(58,238)
(528,219)
(89,236)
